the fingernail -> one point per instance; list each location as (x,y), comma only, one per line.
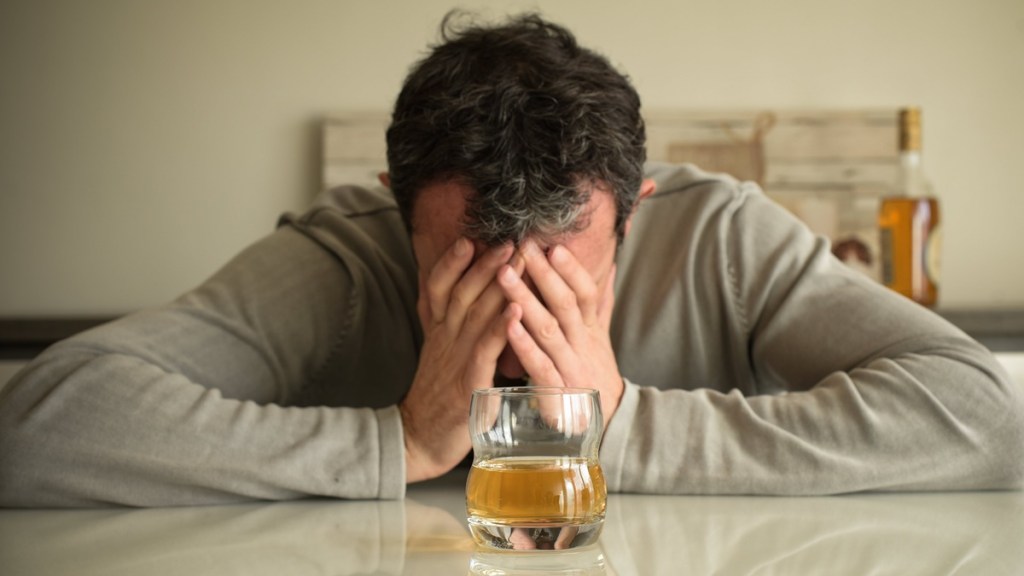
(509,275)
(516,329)
(558,253)
(461,247)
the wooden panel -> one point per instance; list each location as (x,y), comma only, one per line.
(837,146)
(355,137)
(354,149)
(804,135)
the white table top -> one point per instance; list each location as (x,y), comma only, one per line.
(905,534)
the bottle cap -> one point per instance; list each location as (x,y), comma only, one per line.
(910,128)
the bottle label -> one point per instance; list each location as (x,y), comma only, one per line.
(932,252)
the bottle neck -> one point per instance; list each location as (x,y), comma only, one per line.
(912,181)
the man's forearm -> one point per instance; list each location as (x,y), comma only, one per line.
(84,429)
(878,428)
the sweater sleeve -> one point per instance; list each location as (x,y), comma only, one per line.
(194,402)
(847,386)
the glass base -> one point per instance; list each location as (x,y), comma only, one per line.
(534,536)
(586,561)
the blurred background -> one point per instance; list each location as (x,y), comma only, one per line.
(144,143)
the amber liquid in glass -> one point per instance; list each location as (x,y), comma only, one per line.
(536,491)
(909,240)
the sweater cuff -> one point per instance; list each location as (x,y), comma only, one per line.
(392,454)
(613,446)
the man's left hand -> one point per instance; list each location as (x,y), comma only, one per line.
(564,340)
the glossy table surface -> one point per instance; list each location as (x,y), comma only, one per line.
(927,533)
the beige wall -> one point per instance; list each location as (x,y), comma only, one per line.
(143,143)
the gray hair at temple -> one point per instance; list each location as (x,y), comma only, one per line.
(527,118)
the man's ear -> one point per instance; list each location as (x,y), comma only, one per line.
(647,187)
(384,179)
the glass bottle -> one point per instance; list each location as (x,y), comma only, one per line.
(908,222)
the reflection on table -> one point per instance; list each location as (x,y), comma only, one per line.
(940,533)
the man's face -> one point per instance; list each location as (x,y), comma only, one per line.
(437,223)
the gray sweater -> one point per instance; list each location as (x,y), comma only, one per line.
(755,363)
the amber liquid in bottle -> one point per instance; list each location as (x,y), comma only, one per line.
(908,222)
(909,245)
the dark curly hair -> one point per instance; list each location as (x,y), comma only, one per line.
(526,117)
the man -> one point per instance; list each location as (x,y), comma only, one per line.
(336,357)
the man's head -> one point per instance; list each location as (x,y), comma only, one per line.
(527,120)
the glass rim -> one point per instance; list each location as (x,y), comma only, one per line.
(535,390)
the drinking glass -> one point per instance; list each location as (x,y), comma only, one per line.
(536,482)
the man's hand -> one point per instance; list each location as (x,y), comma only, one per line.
(564,340)
(459,306)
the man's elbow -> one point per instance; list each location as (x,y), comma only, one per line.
(1014,450)
(1005,446)
(36,461)
(19,469)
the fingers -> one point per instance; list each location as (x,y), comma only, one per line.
(560,325)
(490,302)
(486,330)
(559,295)
(483,359)
(436,289)
(536,362)
(465,295)
(460,296)
(456,282)
(565,537)
(541,333)
(544,328)
(571,300)
(578,281)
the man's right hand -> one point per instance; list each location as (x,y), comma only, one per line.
(460,308)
